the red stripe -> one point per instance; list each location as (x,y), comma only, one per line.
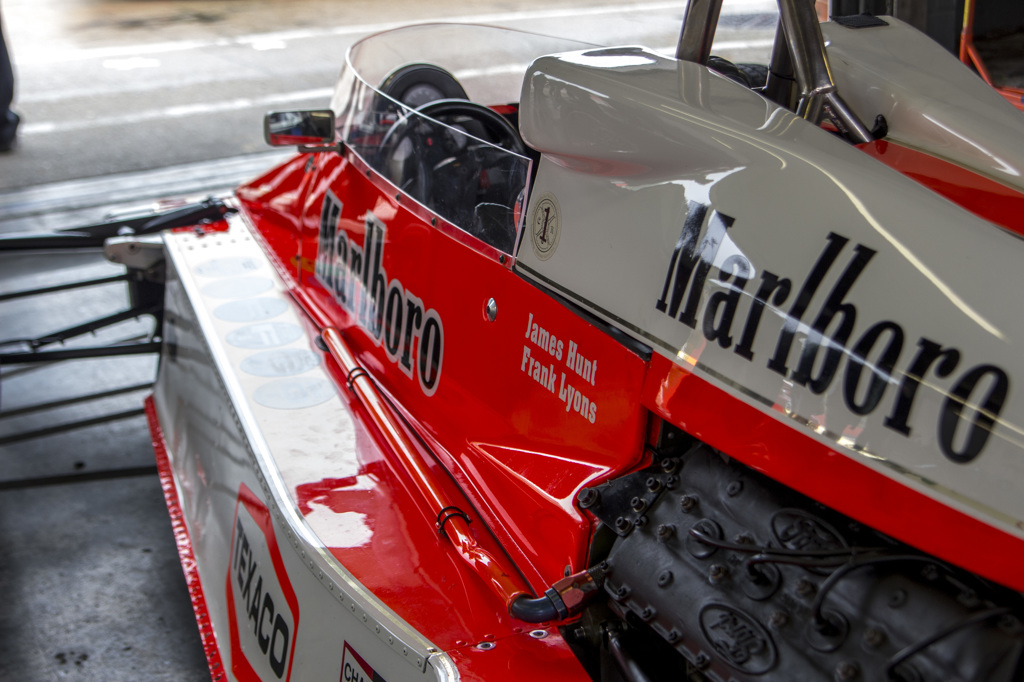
(983,197)
(184,543)
(794,459)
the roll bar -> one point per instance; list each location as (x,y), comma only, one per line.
(799,52)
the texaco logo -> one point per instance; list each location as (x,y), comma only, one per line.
(261,602)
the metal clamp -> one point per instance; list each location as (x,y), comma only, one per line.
(354,374)
(447,513)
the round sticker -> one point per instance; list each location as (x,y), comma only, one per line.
(264,335)
(241,287)
(545,227)
(235,266)
(280,362)
(294,394)
(250,309)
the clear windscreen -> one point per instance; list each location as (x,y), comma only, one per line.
(421,107)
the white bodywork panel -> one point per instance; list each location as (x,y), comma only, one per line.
(637,146)
(245,402)
(872,68)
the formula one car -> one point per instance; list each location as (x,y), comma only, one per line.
(596,363)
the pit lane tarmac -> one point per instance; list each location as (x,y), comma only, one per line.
(89,570)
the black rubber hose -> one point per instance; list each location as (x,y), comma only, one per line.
(629,668)
(534,609)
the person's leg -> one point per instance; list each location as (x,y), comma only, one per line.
(8,119)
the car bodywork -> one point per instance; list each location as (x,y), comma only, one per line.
(607,364)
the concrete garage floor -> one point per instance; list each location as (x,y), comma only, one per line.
(89,574)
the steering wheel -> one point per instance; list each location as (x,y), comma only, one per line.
(416,84)
(446,166)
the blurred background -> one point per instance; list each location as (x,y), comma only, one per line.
(108,87)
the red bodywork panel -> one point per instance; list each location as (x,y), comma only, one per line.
(496,415)
(981,196)
(184,543)
(791,458)
(492,407)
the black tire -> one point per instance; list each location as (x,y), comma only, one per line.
(756,74)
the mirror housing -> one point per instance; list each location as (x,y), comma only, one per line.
(287,128)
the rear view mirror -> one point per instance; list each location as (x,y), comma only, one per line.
(287,128)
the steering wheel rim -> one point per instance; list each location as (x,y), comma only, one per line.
(417,129)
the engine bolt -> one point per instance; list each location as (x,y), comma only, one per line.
(672,636)
(666,531)
(664,578)
(717,573)
(873,637)
(688,502)
(641,521)
(847,670)
(647,613)
(897,599)
(653,484)
(671,482)
(805,588)
(777,619)
(1010,625)
(734,488)
(622,524)
(968,598)
(669,465)
(701,660)
(638,504)
(588,497)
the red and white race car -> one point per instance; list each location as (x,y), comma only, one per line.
(544,360)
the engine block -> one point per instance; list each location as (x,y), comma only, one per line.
(748,580)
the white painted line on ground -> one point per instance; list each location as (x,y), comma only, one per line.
(180,111)
(219,176)
(242,103)
(259,41)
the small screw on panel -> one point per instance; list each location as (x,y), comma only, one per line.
(588,497)
(846,671)
(717,573)
(666,531)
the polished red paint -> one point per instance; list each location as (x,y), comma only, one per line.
(769,445)
(509,443)
(491,567)
(523,657)
(184,544)
(273,201)
(217,226)
(491,440)
(981,196)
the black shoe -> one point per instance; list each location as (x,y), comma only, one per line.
(8,130)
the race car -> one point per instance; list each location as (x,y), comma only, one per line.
(549,360)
